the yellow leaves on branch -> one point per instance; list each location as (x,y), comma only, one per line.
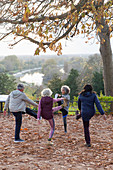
(19,1)
(26,13)
(37,51)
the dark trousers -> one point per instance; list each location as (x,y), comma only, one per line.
(64,114)
(18,120)
(18,123)
(31,112)
(86,131)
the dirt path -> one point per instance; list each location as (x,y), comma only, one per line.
(68,151)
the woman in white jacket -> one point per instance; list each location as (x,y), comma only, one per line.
(16,102)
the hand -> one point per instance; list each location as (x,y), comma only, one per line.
(4,112)
(59,95)
(104,117)
(38,121)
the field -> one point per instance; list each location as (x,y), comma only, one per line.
(68,151)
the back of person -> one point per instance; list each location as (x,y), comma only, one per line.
(46,107)
(87,102)
(16,103)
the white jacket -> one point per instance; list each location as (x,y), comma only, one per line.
(16,101)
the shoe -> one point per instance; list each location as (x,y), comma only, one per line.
(49,139)
(49,143)
(78,116)
(88,145)
(64,104)
(19,140)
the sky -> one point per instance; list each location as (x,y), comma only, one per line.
(75,46)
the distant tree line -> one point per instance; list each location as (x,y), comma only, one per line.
(73,71)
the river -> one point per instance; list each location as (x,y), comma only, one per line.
(32,76)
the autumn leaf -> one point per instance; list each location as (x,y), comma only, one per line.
(37,51)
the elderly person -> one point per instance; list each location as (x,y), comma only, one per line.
(65,90)
(46,109)
(16,102)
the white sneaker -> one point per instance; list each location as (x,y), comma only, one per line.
(19,140)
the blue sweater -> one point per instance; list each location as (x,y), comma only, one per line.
(86,105)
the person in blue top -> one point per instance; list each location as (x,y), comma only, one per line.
(86,101)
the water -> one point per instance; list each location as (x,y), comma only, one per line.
(29,76)
(32,76)
(35,78)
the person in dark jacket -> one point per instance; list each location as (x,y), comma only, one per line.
(86,101)
(46,110)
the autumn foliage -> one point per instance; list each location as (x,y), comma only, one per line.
(47,22)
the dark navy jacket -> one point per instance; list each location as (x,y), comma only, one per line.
(86,105)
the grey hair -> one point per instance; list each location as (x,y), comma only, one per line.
(46,92)
(20,86)
(66,89)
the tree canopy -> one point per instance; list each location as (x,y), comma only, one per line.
(7,83)
(45,22)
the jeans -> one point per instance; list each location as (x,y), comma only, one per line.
(31,112)
(18,123)
(86,131)
(18,120)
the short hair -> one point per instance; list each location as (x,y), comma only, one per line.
(46,92)
(66,89)
(20,86)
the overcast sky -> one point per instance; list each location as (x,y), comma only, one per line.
(75,46)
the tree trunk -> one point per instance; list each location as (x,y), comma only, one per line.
(106,53)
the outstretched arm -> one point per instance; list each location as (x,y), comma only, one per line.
(56,100)
(26,99)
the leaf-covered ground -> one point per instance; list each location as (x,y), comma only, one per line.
(68,151)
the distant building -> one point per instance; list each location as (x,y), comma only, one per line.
(3,98)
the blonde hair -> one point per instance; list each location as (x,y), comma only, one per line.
(66,89)
(46,92)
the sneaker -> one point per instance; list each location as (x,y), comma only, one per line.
(49,139)
(88,145)
(49,143)
(19,140)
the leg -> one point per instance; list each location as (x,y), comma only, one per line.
(52,124)
(54,109)
(59,103)
(31,112)
(86,131)
(65,123)
(18,121)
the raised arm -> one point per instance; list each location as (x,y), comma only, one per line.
(26,99)
(56,100)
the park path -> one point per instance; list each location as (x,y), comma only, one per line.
(68,151)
